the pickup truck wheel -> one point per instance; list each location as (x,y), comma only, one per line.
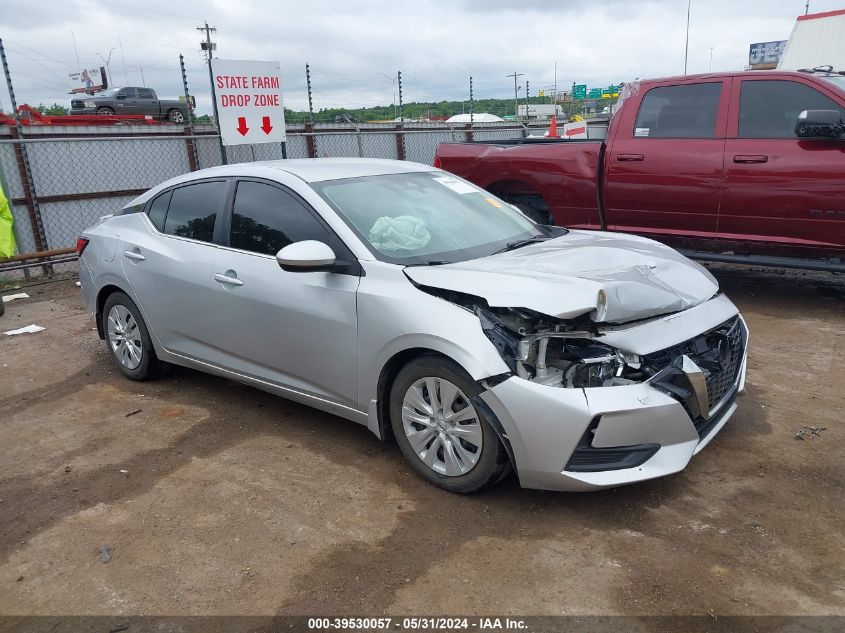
(531,205)
(105,111)
(176,116)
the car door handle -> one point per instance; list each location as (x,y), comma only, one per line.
(751,158)
(225,279)
(630,157)
(133,255)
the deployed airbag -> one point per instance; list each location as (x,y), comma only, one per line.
(404,232)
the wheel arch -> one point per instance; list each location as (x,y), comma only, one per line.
(387,376)
(103,294)
(524,194)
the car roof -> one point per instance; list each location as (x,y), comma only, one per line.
(307,169)
(319,169)
(772,74)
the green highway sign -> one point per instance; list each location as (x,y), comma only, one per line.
(595,93)
(579,91)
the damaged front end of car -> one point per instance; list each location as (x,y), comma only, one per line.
(590,405)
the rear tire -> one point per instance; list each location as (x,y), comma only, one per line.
(105,111)
(176,116)
(443,434)
(128,339)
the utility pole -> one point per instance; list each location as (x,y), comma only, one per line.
(208,46)
(807,7)
(308,83)
(686,46)
(515,76)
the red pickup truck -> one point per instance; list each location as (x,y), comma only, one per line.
(741,165)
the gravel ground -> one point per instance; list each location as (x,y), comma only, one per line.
(215,498)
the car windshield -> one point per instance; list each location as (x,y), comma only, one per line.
(836,80)
(426,217)
(111,92)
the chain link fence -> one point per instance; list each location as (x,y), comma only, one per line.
(60,180)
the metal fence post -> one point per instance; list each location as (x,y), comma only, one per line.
(193,159)
(400,142)
(27,180)
(310,141)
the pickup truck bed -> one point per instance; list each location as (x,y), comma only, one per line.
(705,162)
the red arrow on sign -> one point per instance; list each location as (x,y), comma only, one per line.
(265,124)
(242,128)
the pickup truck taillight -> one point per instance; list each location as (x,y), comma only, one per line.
(81,243)
(437,162)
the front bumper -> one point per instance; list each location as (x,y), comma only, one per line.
(554,432)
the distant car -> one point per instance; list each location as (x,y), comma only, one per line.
(132,100)
(421,306)
(345,118)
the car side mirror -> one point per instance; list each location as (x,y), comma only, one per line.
(307,256)
(819,124)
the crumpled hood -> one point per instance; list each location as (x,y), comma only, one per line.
(612,277)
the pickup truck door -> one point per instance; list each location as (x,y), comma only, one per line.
(126,102)
(779,188)
(663,168)
(148,103)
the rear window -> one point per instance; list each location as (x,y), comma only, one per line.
(193,210)
(145,93)
(687,111)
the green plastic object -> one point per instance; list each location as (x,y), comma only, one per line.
(7,233)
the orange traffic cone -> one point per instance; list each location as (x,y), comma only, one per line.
(553,128)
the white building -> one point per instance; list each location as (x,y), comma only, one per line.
(817,39)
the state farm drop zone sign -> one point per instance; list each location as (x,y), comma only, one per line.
(249,101)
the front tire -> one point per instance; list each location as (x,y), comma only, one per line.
(105,111)
(128,339)
(443,434)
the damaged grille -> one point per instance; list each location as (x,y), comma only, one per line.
(718,352)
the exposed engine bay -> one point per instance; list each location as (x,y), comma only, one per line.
(556,353)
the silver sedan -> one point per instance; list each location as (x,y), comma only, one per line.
(426,309)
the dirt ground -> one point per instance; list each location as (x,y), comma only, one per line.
(215,498)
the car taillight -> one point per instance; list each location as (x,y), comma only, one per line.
(437,162)
(81,243)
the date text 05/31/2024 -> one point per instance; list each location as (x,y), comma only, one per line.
(414,624)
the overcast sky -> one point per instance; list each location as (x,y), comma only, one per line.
(355,47)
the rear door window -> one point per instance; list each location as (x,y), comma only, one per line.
(770,108)
(145,93)
(129,93)
(265,219)
(686,111)
(193,209)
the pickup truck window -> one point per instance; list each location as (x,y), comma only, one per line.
(129,93)
(686,111)
(769,108)
(145,93)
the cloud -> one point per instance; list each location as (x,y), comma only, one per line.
(355,48)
